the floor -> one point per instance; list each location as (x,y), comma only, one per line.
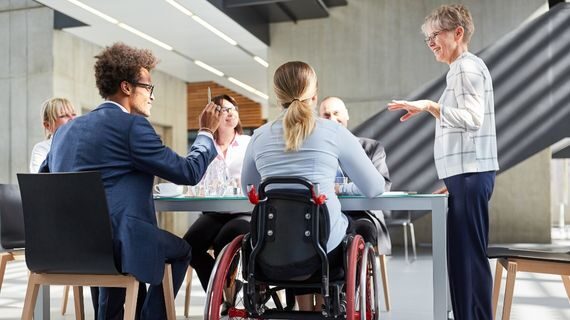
(536,296)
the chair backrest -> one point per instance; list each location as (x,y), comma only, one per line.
(67,223)
(11,218)
(289,231)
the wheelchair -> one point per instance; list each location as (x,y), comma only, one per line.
(256,274)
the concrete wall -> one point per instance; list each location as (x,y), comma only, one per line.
(520,207)
(26,68)
(560,188)
(372,51)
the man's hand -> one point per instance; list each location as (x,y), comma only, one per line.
(210,117)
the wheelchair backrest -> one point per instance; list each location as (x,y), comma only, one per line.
(289,231)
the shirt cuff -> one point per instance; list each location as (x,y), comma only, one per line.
(207,134)
(442,119)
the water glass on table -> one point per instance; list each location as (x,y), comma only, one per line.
(339,183)
(233,187)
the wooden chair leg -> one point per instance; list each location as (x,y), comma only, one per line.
(168,289)
(131,299)
(188,290)
(566,281)
(31,297)
(4,258)
(509,289)
(64,300)
(497,286)
(78,303)
(384,275)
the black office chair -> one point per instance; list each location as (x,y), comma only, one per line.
(405,219)
(66,215)
(525,260)
(12,241)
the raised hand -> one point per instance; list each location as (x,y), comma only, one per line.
(210,117)
(413,108)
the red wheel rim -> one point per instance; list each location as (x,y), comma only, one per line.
(354,253)
(216,294)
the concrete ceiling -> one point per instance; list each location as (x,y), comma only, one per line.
(189,40)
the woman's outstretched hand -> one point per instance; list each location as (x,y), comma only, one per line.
(412,108)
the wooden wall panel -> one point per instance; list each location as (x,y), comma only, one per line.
(249,110)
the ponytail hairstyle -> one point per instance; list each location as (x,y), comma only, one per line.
(295,83)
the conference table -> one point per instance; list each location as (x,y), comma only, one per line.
(436,203)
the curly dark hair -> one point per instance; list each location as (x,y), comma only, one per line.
(118,63)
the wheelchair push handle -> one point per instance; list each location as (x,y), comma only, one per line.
(314,189)
(252,194)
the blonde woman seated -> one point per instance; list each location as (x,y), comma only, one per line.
(55,113)
(300,144)
(216,229)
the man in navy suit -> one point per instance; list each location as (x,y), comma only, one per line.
(117,140)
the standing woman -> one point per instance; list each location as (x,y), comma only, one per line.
(55,113)
(216,229)
(465,153)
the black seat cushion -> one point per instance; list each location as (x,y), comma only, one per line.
(533,254)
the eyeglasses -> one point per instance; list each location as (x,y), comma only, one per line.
(228,109)
(149,87)
(432,37)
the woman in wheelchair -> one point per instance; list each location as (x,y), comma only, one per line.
(299,144)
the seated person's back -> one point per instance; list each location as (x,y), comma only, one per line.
(316,160)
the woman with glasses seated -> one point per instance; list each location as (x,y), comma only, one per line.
(216,229)
(55,113)
(300,144)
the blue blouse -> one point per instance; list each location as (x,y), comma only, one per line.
(317,160)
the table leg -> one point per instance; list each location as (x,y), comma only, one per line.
(439,238)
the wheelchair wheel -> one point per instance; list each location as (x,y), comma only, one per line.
(369,285)
(224,297)
(354,255)
(361,281)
